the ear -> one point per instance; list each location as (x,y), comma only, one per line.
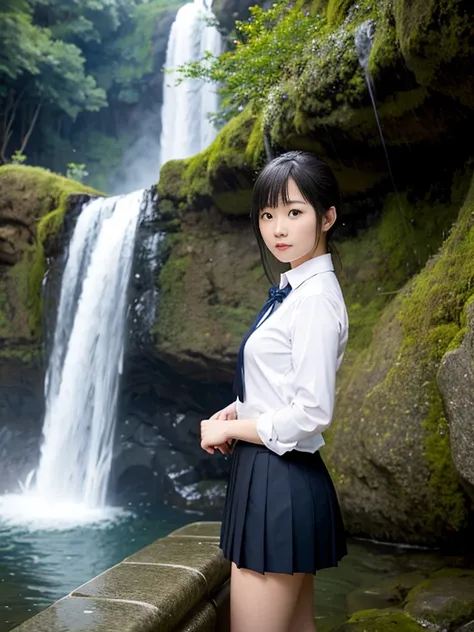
(329,219)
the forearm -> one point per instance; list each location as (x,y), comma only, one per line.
(243,429)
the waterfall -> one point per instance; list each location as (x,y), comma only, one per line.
(185,128)
(364,40)
(83,375)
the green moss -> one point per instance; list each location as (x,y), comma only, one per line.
(385,54)
(445,599)
(39,198)
(6,324)
(431,319)
(430,34)
(24,353)
(206,302)
(219,173)
(410,230)
(336,11)
(388,620)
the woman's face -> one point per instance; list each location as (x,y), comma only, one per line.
(290,230)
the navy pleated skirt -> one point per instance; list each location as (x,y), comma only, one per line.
(281,513)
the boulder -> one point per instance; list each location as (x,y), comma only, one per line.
(456,384)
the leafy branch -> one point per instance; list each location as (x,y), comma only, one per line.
(267,48)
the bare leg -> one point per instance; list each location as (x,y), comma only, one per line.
(303,617)
(262,603)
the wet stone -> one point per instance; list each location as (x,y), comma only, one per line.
(380,621)
(445,600)
(172,591)
(387,593)
(203,558)
(202,529)
(93,615)
(203,620)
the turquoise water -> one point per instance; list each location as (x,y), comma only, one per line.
(37,567)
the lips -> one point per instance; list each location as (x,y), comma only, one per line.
(282,246)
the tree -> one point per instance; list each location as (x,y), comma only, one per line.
(36,69)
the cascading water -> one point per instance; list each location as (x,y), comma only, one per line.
(186,129)
(364,40)
(82,380)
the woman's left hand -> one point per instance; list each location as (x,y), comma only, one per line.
(213,433)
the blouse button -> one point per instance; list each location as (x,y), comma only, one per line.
(270,439)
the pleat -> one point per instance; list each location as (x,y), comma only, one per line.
(279,519)
(339,544)
(303,520)
(321,518)
(291,544)
(226,532)
(253,553)
(237,524)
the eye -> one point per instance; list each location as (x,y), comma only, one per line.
(295,210)
(262,216)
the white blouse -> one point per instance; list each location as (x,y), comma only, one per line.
(292,358)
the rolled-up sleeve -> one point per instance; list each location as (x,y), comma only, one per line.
(315,334)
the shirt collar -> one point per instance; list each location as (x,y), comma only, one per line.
(296,276)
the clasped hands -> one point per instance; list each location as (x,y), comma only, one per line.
(215,433)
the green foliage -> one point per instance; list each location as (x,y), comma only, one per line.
(18,158)
(37,70)
(135,46)
(76,171)
(267,47)
(87,21)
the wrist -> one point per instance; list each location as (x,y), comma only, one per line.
(230,429)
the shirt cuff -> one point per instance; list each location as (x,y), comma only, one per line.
(268,435)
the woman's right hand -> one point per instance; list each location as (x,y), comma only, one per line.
(226,414)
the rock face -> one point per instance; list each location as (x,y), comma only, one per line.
(456,384)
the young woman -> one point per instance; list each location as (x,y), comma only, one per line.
(282,520)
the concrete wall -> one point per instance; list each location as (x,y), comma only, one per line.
(179,583)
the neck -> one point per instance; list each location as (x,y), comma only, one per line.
(320,250)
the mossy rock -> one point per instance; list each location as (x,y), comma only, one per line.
(387,593)
(388,448)
(445,599)
(210,288)
(380,621)
(221,175)
(456,383)
(435,39)
(33,202)
(420,57)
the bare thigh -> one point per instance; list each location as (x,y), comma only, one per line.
(303,617)
(262,603)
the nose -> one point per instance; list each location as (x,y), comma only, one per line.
(280,227)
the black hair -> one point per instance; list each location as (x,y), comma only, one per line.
(318,185)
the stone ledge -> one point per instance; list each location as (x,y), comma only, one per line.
(177,584)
